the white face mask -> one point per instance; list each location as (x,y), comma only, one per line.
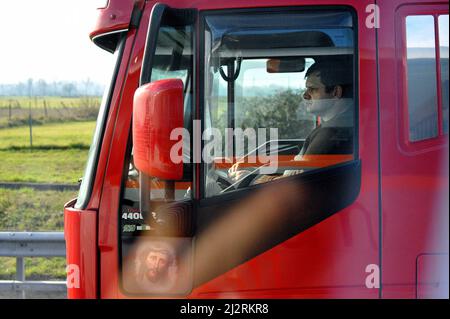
(318,107)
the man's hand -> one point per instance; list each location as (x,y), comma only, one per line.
(237,174)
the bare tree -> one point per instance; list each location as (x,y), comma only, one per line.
(42,87)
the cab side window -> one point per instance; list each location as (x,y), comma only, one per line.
(173,59)
(443,54)
(427,76)
(279,96)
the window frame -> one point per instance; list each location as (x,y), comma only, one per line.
(432,143)
(238,193)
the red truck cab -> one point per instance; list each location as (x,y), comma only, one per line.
(204,88)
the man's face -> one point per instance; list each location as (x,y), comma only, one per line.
(316,99)
(157,265)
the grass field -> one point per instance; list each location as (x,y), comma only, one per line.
(78,134)
(32,210)
(35,268)
(58,155)
(46,101)
(17,111)
(43,166)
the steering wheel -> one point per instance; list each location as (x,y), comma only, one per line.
(285,146)
(247,180)
(228,183)
(223,180)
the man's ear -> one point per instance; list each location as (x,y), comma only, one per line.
(338,91)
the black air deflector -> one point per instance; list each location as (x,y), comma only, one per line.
(108,41)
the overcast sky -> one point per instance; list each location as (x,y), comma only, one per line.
(420,31)
(49,39)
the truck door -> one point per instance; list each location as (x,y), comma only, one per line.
(413,68)
(302,223)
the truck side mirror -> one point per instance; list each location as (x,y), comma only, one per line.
(157,111)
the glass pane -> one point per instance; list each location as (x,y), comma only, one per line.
(272,100)
(173,59)
(278,90)
(94,150)
(443,43)
(421,70)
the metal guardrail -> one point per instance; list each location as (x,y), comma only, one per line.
(31,244)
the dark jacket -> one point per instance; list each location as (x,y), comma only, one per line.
(332,137)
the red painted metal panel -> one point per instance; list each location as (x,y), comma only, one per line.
(432,276)
(115,16)
(80,231)
(415,176)
(119,126)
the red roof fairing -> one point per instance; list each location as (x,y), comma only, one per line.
(115,17)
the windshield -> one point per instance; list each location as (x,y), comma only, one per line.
(94,151)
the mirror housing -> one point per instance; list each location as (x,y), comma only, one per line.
(286,65)
(157,111)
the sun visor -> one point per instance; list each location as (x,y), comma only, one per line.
(295,36)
